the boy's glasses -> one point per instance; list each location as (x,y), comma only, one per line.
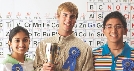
(116,26)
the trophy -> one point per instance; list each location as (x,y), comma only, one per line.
(52,52)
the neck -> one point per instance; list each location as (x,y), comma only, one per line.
(116,48)
(63,33)
(18,57)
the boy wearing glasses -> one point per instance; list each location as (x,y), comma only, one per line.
(115,54)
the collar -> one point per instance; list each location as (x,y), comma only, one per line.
(12,60)
(59,37)
(105,49)
(126,50)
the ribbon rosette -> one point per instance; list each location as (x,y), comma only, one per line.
(17,67)
(127,65)
(71,60)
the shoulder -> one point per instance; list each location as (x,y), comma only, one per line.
(6,67)
(82,43)
(9,59)
(79,41)
(101,47)
(30,62)
(128,46)
(132,50)
(49,39)
(84,47)
(97,50)
(5,60)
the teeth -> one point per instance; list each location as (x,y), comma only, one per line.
(66,24)
(114,35)
(21,48)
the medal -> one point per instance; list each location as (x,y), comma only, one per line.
(127,65)
(17,67)
(71,60)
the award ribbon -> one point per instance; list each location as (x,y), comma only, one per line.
(71,60)
(127,65)
(17,67)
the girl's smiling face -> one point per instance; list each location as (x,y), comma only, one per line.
(20,43)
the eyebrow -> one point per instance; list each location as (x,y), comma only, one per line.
(65,13)
(70,15)
(111,24)
(23,38)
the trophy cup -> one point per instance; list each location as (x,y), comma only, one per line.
(52,52)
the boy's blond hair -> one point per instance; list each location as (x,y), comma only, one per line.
(67,6)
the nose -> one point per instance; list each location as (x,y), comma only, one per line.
(68,18)
(21,43)
(114,29)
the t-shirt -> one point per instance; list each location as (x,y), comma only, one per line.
(105,60)
(84,62)
(8,62)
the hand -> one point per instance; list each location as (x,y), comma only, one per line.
(48,67)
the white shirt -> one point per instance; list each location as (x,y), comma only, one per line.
(9,62)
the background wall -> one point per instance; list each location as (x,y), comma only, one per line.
(39,17)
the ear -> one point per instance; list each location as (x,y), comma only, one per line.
(103,31)
(9,43)
(29,41)
(57,16)
(125,31)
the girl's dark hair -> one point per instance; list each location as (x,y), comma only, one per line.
(15,30)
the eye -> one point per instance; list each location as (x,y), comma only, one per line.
(25,40)
(17,40)
(118,26)
(108,26)
(72,16)
(64,15)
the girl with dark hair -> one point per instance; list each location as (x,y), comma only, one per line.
(19,41)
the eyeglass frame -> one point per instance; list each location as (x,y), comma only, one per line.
(118,26)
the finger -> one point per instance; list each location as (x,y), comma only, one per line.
(48,66)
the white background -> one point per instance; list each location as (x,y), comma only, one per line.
(39,17)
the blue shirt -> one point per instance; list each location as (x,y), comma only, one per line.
(105,60)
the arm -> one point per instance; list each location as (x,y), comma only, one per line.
(88,66)
(5,67)
(38,62)
(2,68)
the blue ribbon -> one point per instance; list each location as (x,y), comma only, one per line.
(127,65)
(71,60)
(17,67)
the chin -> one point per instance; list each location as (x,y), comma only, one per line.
(114,41)
(66,30)
(22,52)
